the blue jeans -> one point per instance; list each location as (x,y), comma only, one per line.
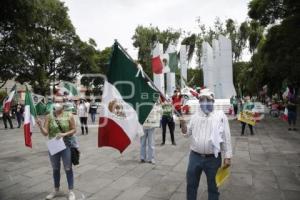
(65,155)
(148,140)
(196,165)
(93,117)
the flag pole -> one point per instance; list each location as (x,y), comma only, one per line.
(149,79)
(145,75)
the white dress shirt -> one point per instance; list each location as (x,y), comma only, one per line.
(202,129)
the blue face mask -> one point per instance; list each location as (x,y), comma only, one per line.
(207,106)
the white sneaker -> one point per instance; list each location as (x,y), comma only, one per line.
(71,196)
(52,195)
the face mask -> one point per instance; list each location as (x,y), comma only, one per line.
(207,106)
(58,106)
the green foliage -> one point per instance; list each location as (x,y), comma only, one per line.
(39,44)
(190,41)
(3,94)
(195,77)
(278,52)
(238,34)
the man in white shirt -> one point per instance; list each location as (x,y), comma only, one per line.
(210,135)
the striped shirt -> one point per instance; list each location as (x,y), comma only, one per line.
(200,129)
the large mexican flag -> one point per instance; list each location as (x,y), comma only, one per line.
(127,100)
(29,118)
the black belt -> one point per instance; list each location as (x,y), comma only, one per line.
(206,155)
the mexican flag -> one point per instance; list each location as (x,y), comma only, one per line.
(127,100)
(156,62)
(7,101)
(69,89)
(29,118)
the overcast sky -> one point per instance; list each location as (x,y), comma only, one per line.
(106,20)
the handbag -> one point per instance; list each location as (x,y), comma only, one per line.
(75,153)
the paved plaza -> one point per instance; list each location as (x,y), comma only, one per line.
(265,166)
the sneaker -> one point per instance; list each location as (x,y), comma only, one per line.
(52,195)
(151,162)
(142,160)
(71,196)
(294,129)
(174,143)
(162,144)
(290,129)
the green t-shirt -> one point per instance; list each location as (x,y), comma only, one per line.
(167,110)
(64,123)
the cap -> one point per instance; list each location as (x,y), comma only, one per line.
(206,93)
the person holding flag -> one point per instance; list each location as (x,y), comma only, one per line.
(152,122)
(6,117)
(60,124)
(124,107)
(7,106)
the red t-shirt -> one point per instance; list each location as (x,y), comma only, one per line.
(177,102)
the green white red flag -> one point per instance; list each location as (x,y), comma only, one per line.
(127,100)
(29,118)
(8,100)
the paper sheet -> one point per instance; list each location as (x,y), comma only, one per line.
(222,176)
(55,146)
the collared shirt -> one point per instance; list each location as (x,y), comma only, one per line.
(200,130)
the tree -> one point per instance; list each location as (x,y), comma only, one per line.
(238,34)
(279,53)
(38,44)
(255,35)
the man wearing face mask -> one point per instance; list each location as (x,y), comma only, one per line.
(210,136)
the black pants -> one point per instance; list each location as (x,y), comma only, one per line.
(170,122)
(235,108)
(6,118)
(83,122)
(19,119)
(243,128)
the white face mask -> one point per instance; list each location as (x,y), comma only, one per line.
(58,106)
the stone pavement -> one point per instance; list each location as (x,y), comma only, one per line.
(264,167)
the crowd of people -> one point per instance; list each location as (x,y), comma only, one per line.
(208,130)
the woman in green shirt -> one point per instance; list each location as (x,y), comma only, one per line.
(167,119)
(60,124)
